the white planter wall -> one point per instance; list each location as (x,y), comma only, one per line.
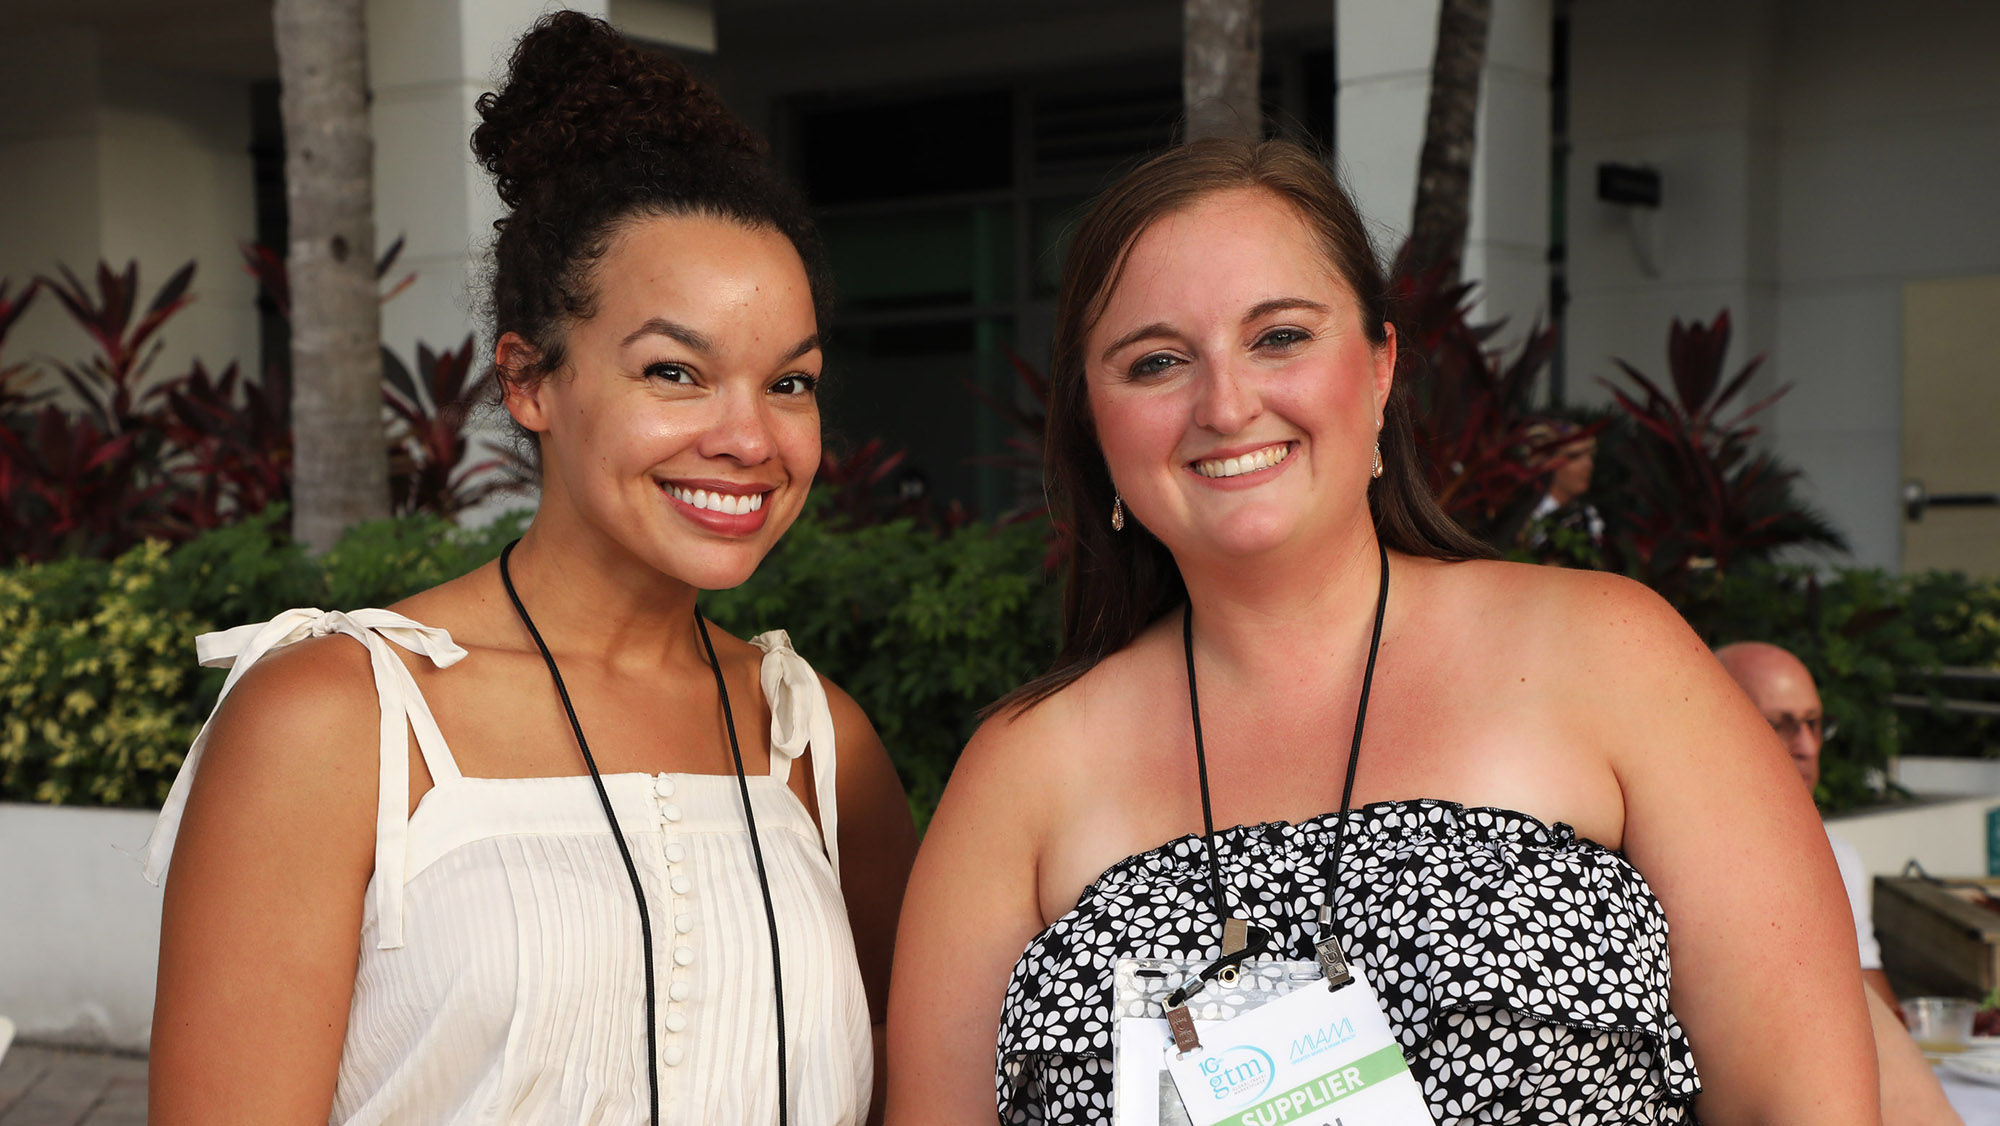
(1948,776)
(1947,837)
(79,925)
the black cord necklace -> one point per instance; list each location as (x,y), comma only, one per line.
(1330,866)
(632,870)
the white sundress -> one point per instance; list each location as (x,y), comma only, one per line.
(501,976)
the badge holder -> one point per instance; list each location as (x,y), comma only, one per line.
(1198,1043)
(1143,1041)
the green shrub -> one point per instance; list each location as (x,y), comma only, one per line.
(1865,635)
(94,672)
(102,695)
(98,680)
(1961,617)
(923,630)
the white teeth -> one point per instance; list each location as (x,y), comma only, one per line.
(729,504)
(1245,463)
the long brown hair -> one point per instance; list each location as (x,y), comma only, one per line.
(1118,583)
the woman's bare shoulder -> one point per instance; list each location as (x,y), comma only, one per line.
(291,755)
(1052,754)
(1567,612)
(1625,658)
(304,712)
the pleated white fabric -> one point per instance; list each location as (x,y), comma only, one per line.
(501,977)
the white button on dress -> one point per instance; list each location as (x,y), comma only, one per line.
(501,978)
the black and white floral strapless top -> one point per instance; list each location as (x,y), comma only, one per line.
(1524,968)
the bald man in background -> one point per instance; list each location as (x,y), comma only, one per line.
(1782,688)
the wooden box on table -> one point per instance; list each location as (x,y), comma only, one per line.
(1936,937)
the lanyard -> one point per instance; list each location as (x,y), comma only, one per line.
(632,870)
(1331,958)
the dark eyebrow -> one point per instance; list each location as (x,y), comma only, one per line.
(1257,311)
(1279,305)
(660,326)
(1157,328)
(804,346)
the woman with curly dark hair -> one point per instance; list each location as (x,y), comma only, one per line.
(540,844)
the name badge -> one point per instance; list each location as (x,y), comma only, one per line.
(1142,1039)
(1312,1057)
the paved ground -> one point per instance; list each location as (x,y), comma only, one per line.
(57,1087)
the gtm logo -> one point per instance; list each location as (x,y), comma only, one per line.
(1241,1072)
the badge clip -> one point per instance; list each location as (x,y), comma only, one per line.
(1235,937)
(1181,1022)
(1332,962)
(1332,958)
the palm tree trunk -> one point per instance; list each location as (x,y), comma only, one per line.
(340,470)
(1221,64)
(1444,171)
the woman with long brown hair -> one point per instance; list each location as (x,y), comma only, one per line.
(1298,713)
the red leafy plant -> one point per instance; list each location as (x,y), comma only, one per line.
(69,488)
(427,470)
(234,438)
(109,382)
(1700,496)
(13,377)
(134,459)
(1475,426)
(86,483)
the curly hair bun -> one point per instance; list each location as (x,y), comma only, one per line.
(579,95)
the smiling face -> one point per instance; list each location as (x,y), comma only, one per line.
(683,431)
(1235,393)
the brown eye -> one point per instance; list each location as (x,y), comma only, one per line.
(797,384)
(669,373)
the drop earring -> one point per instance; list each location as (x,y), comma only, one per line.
(1117,513)
(1377,470)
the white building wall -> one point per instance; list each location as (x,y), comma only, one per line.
(1383,61)
(48,176)
(177,185)
(1815,156)
(428,63)
(120,163)
(1678,88)
(1889,159)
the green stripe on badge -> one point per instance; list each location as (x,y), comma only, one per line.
(1329,1088)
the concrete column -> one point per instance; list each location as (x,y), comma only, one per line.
(428,62)
(1384,50)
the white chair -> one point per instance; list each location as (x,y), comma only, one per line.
(6,1036)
